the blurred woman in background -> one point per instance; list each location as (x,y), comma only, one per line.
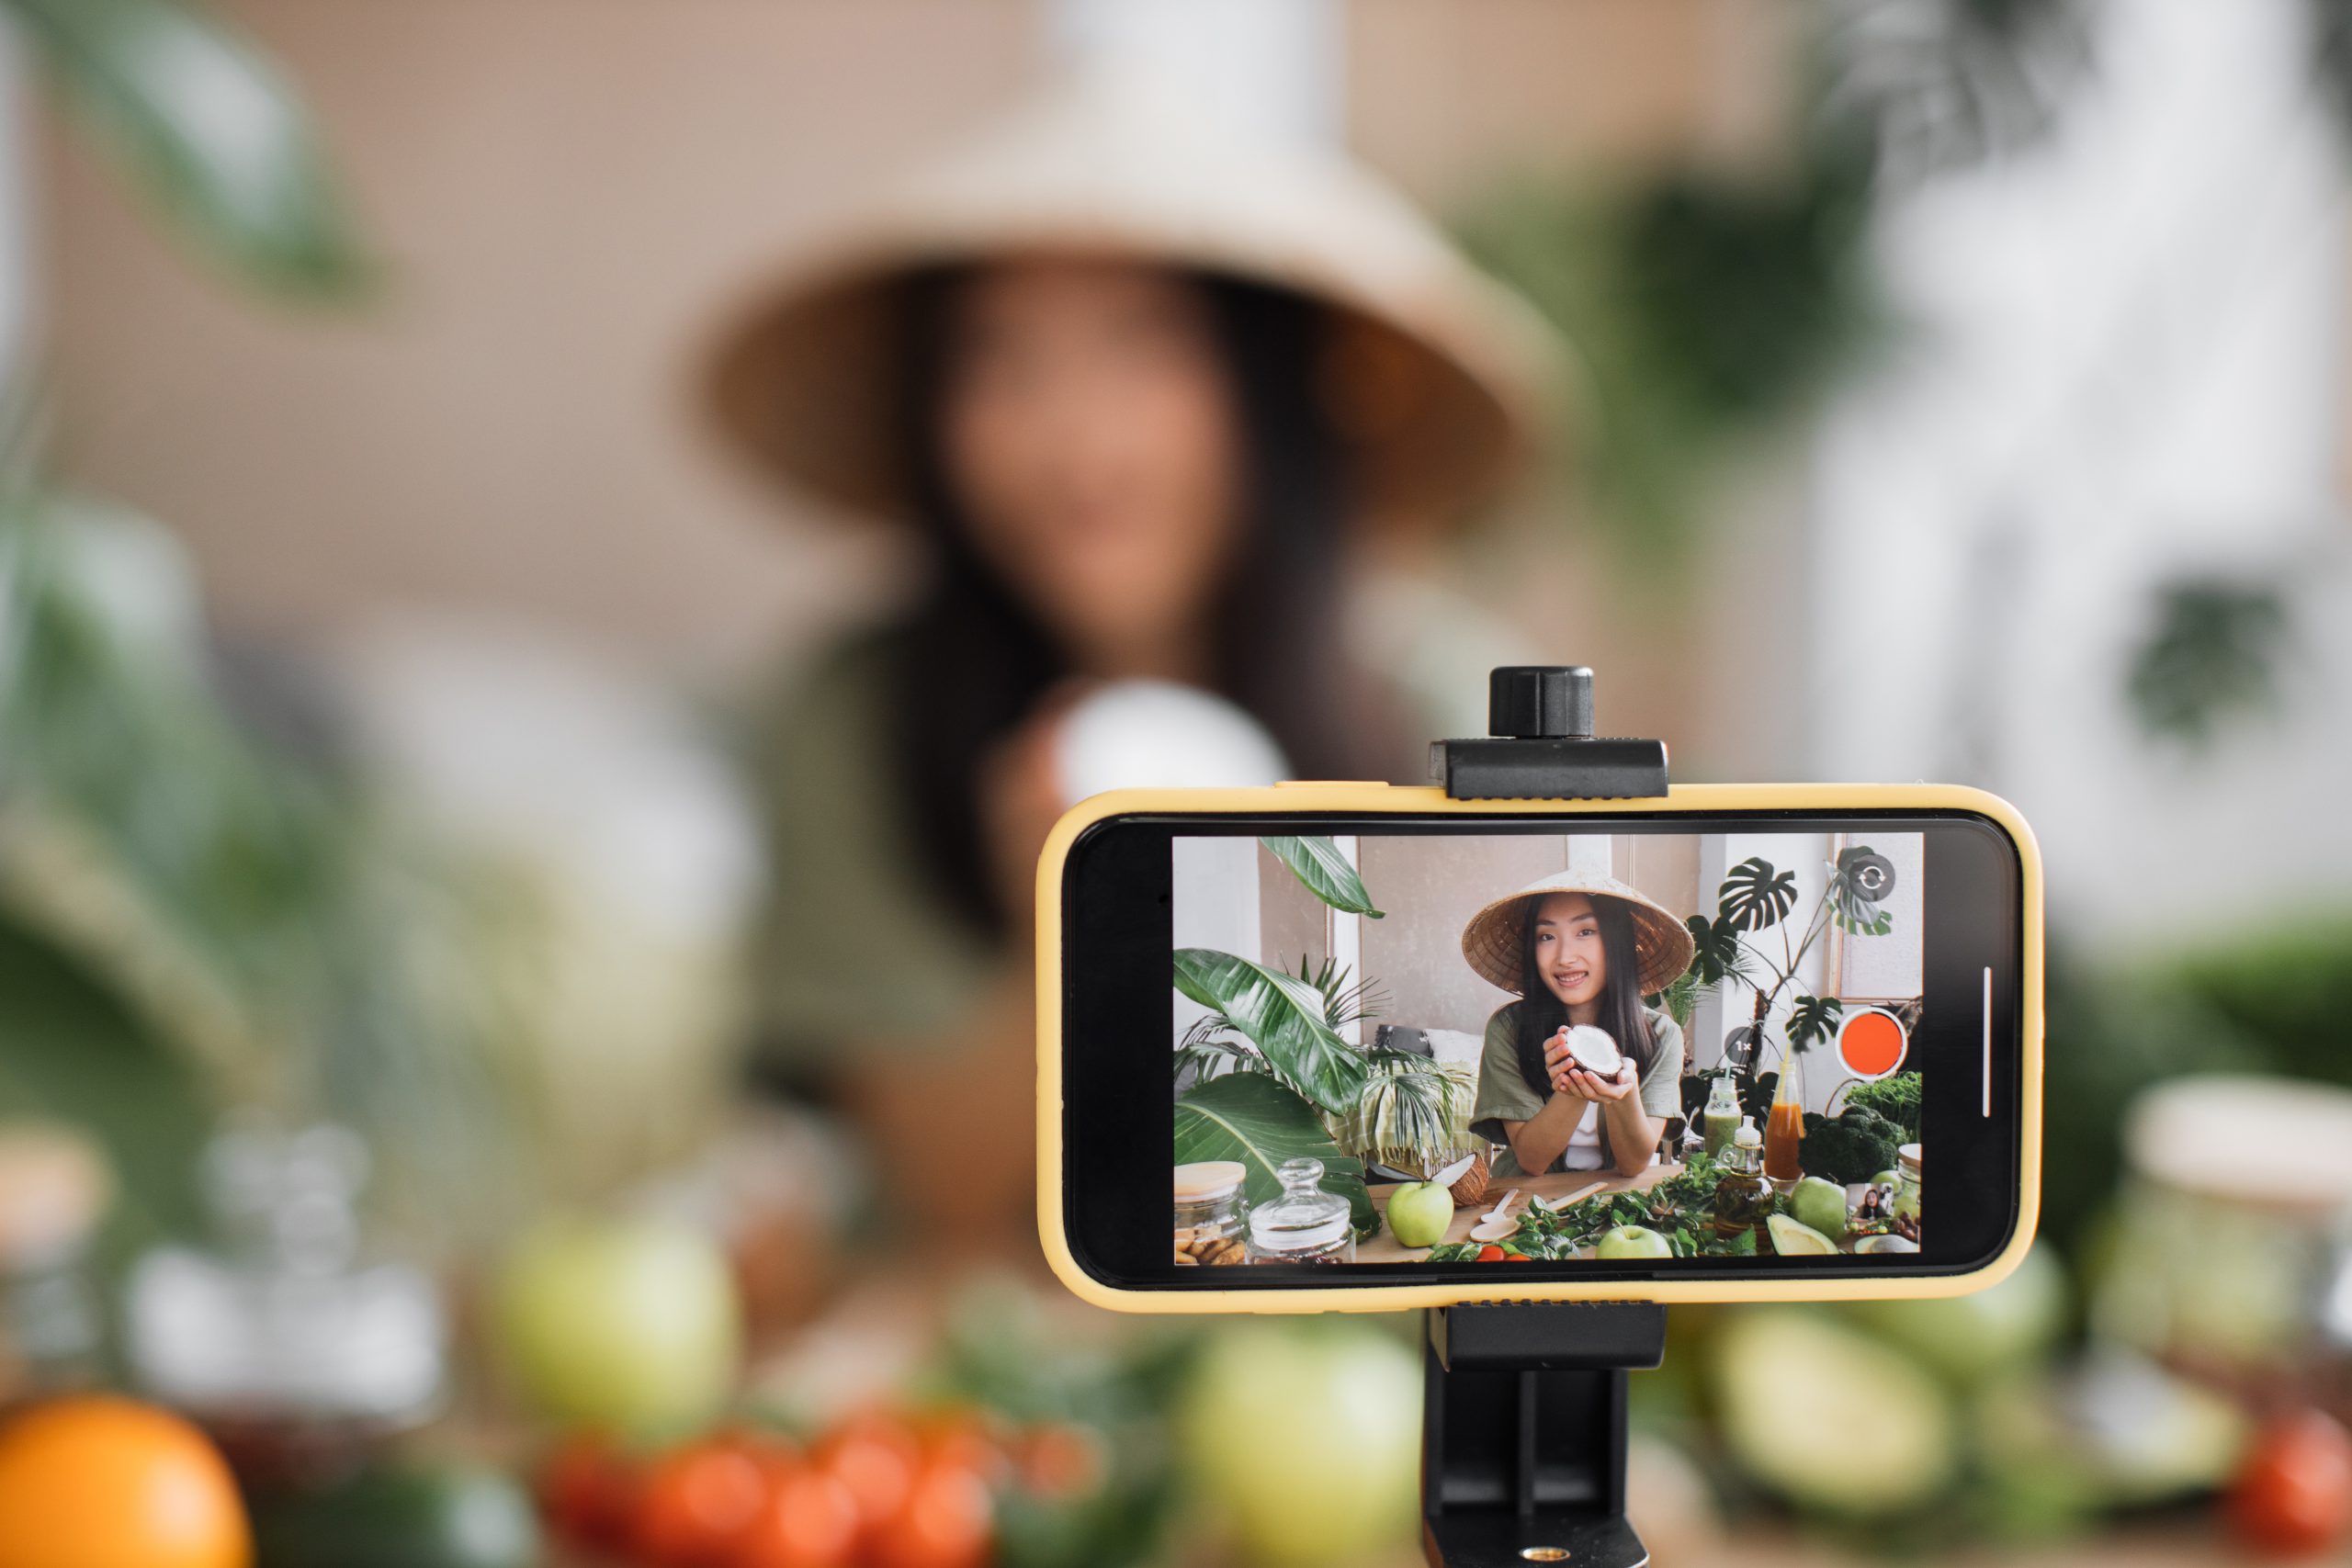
(1138,389)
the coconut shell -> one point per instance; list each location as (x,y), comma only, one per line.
(1471,1188)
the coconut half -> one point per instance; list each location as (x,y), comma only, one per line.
(1594,1051)
(1457,1171)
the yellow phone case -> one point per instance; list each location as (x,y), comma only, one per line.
(1379,799)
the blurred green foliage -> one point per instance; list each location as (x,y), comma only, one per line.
(206,129)
(2214,652)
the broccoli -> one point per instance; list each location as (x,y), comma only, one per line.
(1896,1099)
(1852,1146)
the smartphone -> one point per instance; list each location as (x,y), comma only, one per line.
(1357,1047)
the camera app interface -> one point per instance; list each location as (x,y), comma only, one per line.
(1505,1048)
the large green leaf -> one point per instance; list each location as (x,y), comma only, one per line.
(1716,951)
(207,128)
(1281,1015)
(1812,1018)
(1754,895)
(1319,864)
(1250,1118)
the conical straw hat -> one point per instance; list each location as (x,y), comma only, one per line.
(1661,942)
(1438,377)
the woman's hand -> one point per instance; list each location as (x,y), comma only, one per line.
(1021,790)
(1583,1083)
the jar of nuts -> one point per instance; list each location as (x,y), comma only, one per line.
(1211,1214)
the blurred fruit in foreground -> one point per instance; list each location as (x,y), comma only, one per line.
(1306,1439)
(695,1506)
(586,1488)
(1829,1417)
(630,1326)
(100,1483)
(445,1517)
(2293,1493)
(1971,1337)
(2118,1431)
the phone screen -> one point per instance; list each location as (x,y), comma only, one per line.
(1569,1046)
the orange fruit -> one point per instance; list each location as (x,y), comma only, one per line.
(92,1481)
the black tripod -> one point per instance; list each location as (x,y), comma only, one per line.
(1523,1420)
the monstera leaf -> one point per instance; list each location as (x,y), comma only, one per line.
(1319,864)
(1716,955)
(1250,1118)
(1755,896)
(1812,1018)
(1283,1016)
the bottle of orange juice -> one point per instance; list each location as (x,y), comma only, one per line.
(1784,1127)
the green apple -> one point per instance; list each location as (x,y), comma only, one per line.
(628,1325)
(1792,1238)
(1419,1213)
(1303,1441)
(1634,1241)
(1820,1205)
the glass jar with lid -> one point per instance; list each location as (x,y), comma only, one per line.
(1907,1193)
(1211,1214)
(1306,1224)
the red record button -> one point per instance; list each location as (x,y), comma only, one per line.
(1872,1043)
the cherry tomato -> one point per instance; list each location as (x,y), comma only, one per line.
(1061,1460)
(696,1503)
(876,1457)
(1518,1258)
(2293,1491)
(946,1521)
(587,1488)
(971,1438)
(809,1520)
(1491,1254)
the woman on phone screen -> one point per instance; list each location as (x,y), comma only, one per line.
(1581,949)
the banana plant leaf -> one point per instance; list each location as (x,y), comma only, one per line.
(1281,1015)
(207,128)
(1250,1118)
(1319,864)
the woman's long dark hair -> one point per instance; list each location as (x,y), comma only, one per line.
(1541,1013)
(975,660)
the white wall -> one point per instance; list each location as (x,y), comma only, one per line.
(2122,365)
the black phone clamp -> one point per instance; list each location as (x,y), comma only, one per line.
(1523,1403)
(1524,1432)
(1539,744)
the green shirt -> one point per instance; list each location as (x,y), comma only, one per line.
(1504,1094)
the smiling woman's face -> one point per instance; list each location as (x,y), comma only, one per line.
(1567,948)
(1090,435)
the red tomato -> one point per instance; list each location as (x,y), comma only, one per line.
(809,1520)
(2293,1492)
(1061,1460)
(947,1521)
(970,1439)
(874,1456)
(695,1504)
(1491,1254)
(586,1489)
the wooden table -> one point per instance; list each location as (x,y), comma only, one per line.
(1384,1247)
